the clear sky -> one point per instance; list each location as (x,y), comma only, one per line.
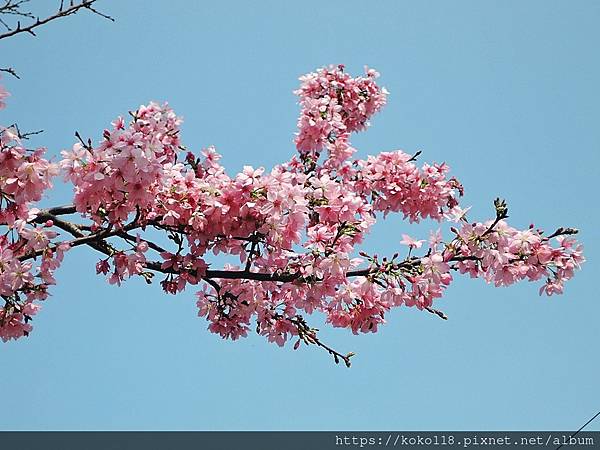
(506,92)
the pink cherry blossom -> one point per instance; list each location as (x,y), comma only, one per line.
(412,243)
(152,208)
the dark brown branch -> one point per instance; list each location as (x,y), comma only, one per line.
(10,71)
(309,336)
(24,135)
(93,240)
(501,213)
(97,241)
(12,8)
(256,276)
(131,238)
(72,9)
(87,145)
(56,211)
(415,156)
(437,312)
(336,355)
(465,258)
(563,231)
(253,252)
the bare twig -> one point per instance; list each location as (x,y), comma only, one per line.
(130,238)
(415,156)
(87,145)
(437,312)
(501,213)
(10,70)
(95,240)
(13,7)
(562,232)
(24,135)
(309,336)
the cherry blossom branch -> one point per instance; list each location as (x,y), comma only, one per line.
(132,239)
(309,336)
(94,240)
(97,241)
(295,229)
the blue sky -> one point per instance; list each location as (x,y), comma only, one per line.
(505,92)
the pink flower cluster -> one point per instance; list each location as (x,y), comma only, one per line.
(395,184)
(334,104)
(296,229)
(129,167)
(506,255)
(24,176)
(125,264)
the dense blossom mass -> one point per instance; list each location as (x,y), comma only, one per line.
(296,229)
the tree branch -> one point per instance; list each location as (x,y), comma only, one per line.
(57,211)
(10,71)
(72,9)
(309,336)
(97,241)
(131,238)
(563,231)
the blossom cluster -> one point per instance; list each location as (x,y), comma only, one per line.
(333,105)
(397,185)
(124,173)
(28,258)
(505,255)
(296,229)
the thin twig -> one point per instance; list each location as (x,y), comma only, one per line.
(563,231)
(72,9)
(10,70)
(131,238)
